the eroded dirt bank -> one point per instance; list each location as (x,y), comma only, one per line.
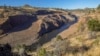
(26,28)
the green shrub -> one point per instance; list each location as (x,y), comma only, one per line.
(59,37)
(94,25)
(41,52)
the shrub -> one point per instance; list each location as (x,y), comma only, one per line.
(94,25)
(20,50)
(59,37)
(41,52)
(1,15)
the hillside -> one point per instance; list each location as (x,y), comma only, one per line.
(78,39)
(49,32)
(24,26)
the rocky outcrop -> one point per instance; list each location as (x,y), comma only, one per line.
(51,22)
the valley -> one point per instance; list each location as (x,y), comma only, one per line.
(31,31)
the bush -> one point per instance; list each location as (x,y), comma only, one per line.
(59,37)
(20,50)
(94,25)
(1,15)
(41,52)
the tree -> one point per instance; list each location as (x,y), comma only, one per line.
(98,6)
(27,5)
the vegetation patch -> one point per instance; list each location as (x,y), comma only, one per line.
(59,37)
(94,25)
(41,52)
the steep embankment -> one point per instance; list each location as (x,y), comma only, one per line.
(25,28)
(49,36)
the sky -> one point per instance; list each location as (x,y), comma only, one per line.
(65,4)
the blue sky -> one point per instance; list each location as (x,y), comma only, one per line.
(66,4)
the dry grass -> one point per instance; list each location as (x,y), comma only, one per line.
(80,42)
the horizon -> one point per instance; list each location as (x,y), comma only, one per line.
(65,4)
